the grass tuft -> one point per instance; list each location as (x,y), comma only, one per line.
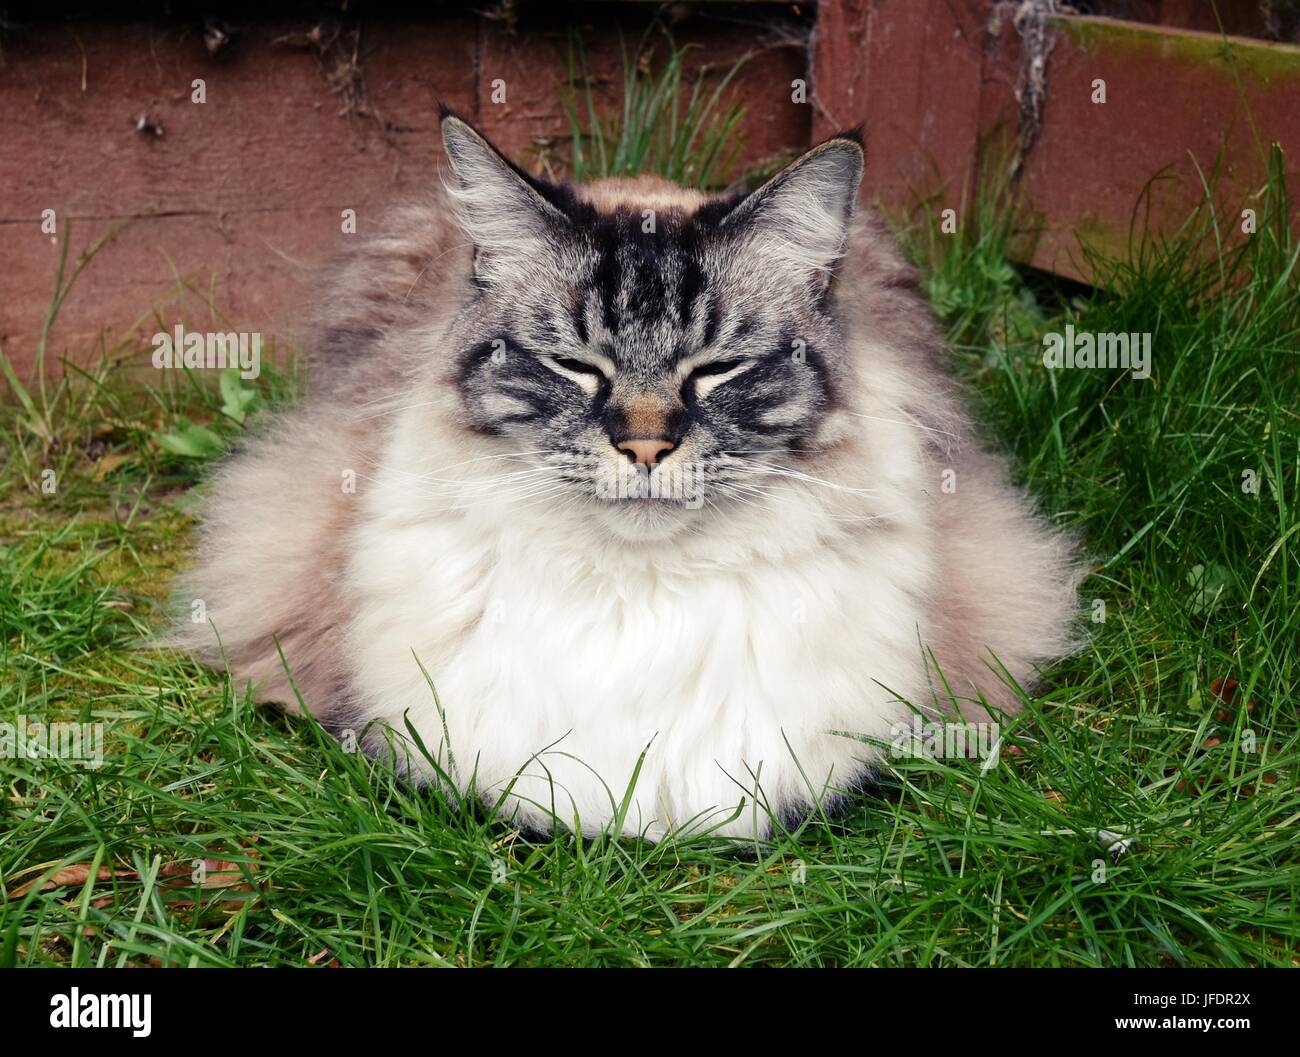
(669,124)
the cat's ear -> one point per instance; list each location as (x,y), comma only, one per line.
(496,204)
(799,220)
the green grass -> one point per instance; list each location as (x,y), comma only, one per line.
(940,865)
(691,139)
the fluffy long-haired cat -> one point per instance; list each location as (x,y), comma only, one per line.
(648,484)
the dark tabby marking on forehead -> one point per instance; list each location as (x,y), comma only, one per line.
(712,213)
(580,320)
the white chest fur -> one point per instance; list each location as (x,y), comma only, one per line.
(734,684)
(560,657)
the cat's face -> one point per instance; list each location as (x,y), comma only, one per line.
(651,354)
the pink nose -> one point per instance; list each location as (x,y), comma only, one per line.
(646,450)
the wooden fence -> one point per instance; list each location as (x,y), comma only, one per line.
(230,204)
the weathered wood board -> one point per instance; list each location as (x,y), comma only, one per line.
(242,195)
(934,80)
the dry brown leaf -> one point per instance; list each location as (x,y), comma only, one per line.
(108,463)
(320,956)
(216,873)
(1224,689)
(174,877)
(74,875)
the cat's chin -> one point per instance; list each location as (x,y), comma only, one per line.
(644,520)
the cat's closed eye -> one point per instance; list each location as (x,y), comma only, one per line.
(708,376)
(716,367)
(577,366)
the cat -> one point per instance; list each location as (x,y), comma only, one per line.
(651,511)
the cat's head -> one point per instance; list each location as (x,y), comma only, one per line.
(651,349)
